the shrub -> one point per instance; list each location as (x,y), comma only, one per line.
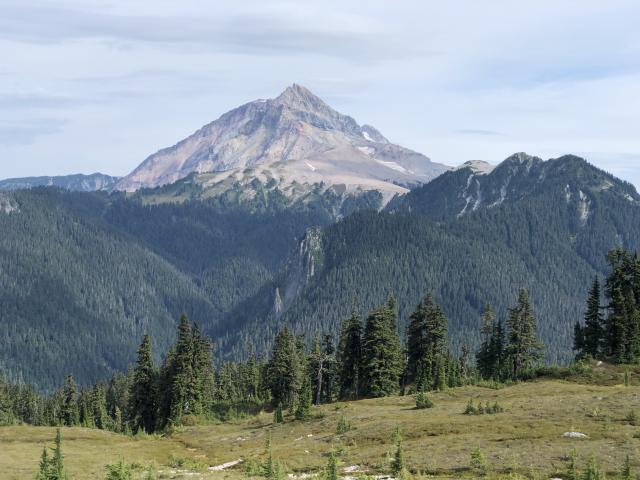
(632,417)
(343,426)
(423,402)
(486,409)
(479,462)
(118,471)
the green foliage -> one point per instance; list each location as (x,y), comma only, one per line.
(626,473)
(303,408)
(523,347)
(52,467)
(143,395)
(423,401)
(343,425)
(285,369)
(119,471)
(278,416)
(349,358)
(480,409)
(381,352)
(332,472)
(398,466)
(572,472)
(479,462)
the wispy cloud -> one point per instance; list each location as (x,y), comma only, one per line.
(240,33)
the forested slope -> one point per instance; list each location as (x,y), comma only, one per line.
(550,233)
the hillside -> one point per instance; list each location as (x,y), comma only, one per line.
(549,233)
(243,266)
(85,275)
(527,439)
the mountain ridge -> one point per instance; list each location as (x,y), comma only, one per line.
(73,182)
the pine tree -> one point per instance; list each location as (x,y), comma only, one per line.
(490,356)
(381,352)
(45,466)
(524,348)
(398,467)
(142,394)
(418,344)
(278,416)
(349,358)
(203,381)
(70,411)
(303,409)
(332,472)
(56,465)
(593,331)
(182,372)
(285,370)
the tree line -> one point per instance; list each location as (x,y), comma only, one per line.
(611,327)
(369,359)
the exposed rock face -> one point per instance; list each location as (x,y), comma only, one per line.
(294,138)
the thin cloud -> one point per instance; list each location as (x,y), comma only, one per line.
(249,34)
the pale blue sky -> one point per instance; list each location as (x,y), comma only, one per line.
(97,85)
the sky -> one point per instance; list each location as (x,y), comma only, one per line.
(98,85)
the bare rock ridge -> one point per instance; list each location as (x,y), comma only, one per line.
(293,139)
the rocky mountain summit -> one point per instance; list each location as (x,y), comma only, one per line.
(294,139)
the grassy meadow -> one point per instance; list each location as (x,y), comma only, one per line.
(526,439)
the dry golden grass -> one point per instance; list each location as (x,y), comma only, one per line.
(527,438)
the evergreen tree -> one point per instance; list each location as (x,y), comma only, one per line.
(203,381)
(285,371)
(418,344)
(381,352)
(490,356)
(56,465)
(398,467)
(70,411)
(303,408)
(278,416)
(349,358)
(45,466)
(142,395)
(593,331)
(524,348)
(182,372)
(332,472)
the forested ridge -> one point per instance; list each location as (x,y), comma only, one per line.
(551,238)
(84,275)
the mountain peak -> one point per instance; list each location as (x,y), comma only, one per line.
(299,97)
(295,137)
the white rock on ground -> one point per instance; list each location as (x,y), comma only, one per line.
(224,466)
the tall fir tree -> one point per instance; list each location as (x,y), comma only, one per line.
(382,352)
(143,405)
(70,411)
(524,349)
(349,357)
(285,371)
